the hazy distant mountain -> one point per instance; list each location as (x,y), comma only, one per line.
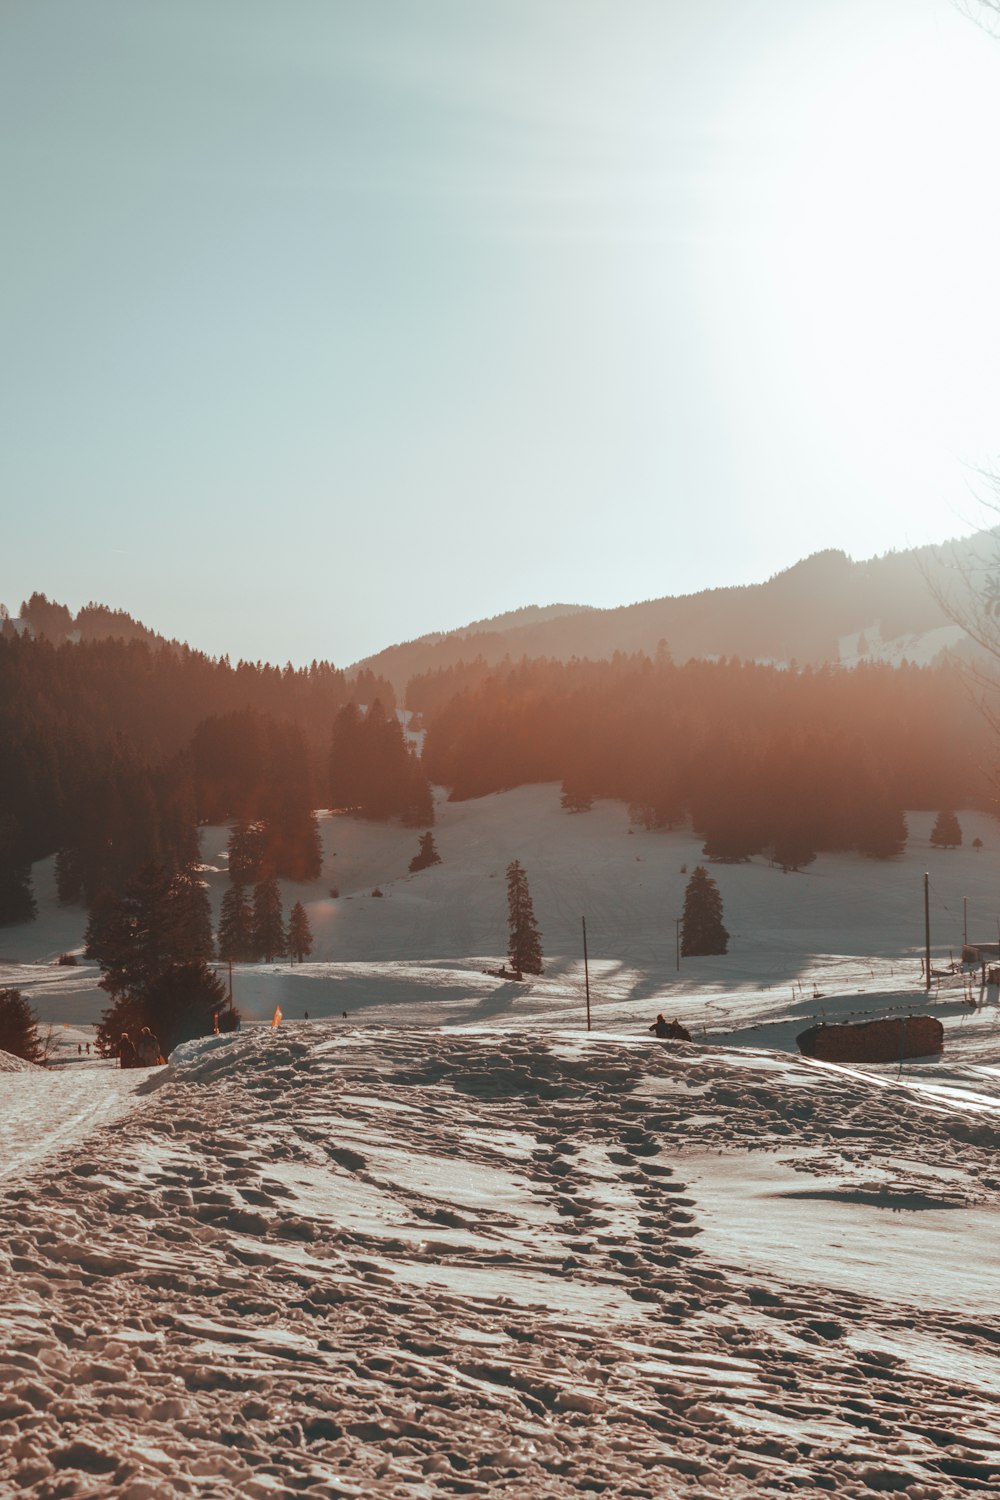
(824,609)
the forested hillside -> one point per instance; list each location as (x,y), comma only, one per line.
(112,751)
(757,757)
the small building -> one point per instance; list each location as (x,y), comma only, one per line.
(981,954)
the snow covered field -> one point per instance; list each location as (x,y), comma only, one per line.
(843,937)
(342,1260)
(454,1245)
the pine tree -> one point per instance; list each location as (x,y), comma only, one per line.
(947,831)
(307,862)
(268,920)
(236,925)
(417,802)
(19,1028)
(524,948)
(17,900)
(882,833)
(373,771)
(247,848)
(69,876)
(132,938)
(191,915)
(161,919)
(792,849)
(299,938)
(575,795)
(181,1003)
(346,759)
(426,854)
(702,931)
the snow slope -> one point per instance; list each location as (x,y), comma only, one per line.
(418,1262)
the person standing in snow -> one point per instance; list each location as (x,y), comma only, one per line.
(148,1050)
(126,1052)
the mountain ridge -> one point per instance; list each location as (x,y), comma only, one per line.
(825,608)
(807,613)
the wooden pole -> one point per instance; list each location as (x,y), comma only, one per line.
(927,926)
(586,968)
(965,921)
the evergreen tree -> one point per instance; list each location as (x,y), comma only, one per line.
(181,1003)
(575,795)
(733,845)
(308,863)
(524,947)
(792,850)
(702,931)
(161,919)
(17,900)
(299,938)
(417,802)
(268,920)
(426,854)
(373,771)
(236,926)
(69,876)
(882,832)
(947,831)
(346,759)
(19,1028)
(292,833)
(191,914)
(247,849)
(132,938)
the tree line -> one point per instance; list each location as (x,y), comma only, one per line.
(755,757)
(112,752)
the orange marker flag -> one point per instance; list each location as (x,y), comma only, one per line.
(276,1018)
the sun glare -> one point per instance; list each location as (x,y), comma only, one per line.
(863,268)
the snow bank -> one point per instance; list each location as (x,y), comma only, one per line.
(420,1261)
(11,1064)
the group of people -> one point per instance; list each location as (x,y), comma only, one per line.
(143,1053)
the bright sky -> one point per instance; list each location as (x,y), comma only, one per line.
(331,322)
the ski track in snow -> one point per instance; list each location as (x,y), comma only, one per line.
(417,1263)
(43,1111)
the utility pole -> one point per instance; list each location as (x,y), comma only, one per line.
(965,921)
(586,968)
(677,925)
(927,927)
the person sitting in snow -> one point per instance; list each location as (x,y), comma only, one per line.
(148,1050)
(126,1052)
(670,1031)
